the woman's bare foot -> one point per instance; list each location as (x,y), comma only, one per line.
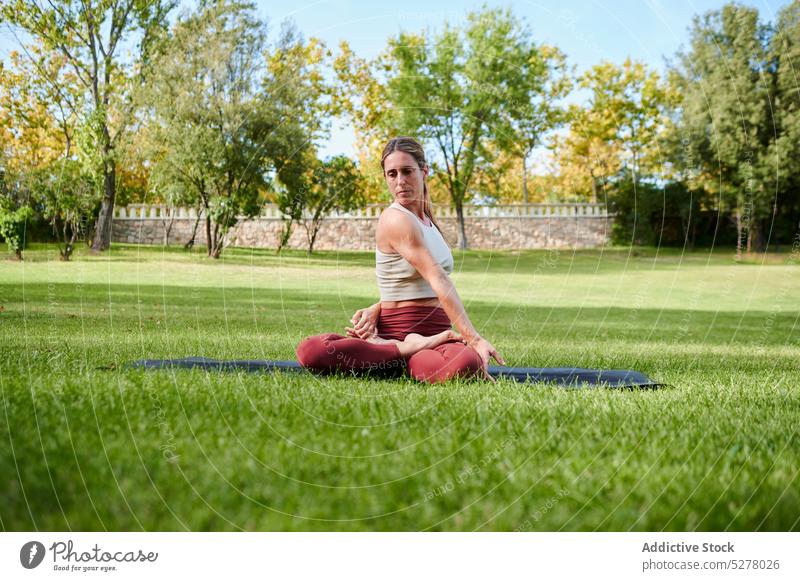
(414,342)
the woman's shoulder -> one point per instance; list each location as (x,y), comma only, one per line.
(396,219)
(395,225)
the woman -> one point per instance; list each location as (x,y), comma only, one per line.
(410,326)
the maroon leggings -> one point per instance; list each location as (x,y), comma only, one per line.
(453,359)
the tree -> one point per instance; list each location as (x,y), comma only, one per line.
(629,105)
(14,216)
(65,197)
(210,129)
(335,185)
(500,181)
(39,106)
(784,58)
(360,96)
(39,103)
(620,127)
(725,124)
(295,177)
(589,154)
(89,36)
(463,88)
(13,219)
(14,207)
(508,179)
(535,107)
(459,91)
(299,95)
(229,119)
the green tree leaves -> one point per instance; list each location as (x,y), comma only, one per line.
(335,184)
(207,124)
(216,115)
(468,91)
(726,120)
(225,113)
(89,36)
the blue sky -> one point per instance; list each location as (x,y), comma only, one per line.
(587,31)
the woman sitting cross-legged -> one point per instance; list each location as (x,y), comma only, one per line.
(410,327)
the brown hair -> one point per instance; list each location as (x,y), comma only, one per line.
(412,147)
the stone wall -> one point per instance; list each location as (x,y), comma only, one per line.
(520,232)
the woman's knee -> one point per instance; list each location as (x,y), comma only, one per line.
(462,361)
(466,358)
(443,363)
(315,352)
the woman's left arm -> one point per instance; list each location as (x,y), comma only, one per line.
(407,241)
(444,288)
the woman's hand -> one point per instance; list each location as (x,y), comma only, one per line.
(485,350)
(365,322)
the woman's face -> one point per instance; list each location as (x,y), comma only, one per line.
(404,177)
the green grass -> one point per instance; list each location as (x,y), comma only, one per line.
(86,444)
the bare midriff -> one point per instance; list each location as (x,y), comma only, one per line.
(431,302)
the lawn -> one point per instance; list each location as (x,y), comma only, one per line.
(88,444)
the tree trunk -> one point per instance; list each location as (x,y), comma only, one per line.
(218,238)
(738,219)
(216,248)
(462,242)
(286,233)
(524,180)
(102,234)
(208,234)
(168,229)
(316,225)
(309,242)
(755,237)
(69,242)
(190,243)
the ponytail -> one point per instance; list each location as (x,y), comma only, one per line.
(427,207)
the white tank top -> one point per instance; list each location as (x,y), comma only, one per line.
(397,279)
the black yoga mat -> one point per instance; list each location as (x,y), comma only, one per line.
(565,376)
